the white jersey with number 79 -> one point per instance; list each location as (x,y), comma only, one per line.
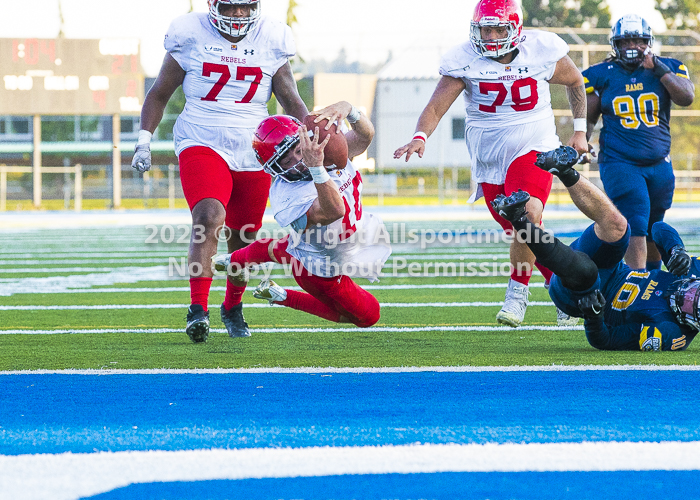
(508,106)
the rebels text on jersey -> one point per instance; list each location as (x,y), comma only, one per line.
(507,94)
(227,84)
(636,109)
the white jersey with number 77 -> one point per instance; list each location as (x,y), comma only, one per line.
(227,84)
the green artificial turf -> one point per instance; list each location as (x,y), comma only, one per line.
(271,344)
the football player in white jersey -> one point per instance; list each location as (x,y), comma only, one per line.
(332,238)
(504,74)
(228,61)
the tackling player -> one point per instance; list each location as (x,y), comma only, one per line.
(228,62)
(623,309)
(333,238)
(504,74)
(633,90)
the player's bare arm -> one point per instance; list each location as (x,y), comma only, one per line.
(170,77)
(593,113)
(566,73)
(285,89)
(680,89)
(446,92)
(329,206)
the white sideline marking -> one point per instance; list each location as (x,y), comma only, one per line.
(87,260)
(83,284)
(396,329)
(68,476)
(312,370)
(247,306)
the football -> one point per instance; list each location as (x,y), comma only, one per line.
(336,151)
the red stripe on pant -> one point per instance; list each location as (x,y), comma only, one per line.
(335,299)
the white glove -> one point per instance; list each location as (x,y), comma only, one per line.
(142,152)
(142,158)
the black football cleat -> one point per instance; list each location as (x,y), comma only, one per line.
(234,321)
(197,324)
(511,208)
(558,160)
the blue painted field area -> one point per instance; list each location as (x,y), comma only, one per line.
(86,413)
(657,485)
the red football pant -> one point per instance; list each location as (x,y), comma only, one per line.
(522,174)
(204,174)
(333,299)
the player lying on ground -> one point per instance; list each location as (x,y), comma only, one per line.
(623,309)
(333,239)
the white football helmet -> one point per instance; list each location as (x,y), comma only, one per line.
(234,26)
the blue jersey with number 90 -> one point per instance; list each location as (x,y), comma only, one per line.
(636,109)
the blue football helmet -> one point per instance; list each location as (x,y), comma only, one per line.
(630,26)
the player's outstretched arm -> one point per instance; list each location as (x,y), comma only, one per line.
(285,88)
(566,73)
(446,92)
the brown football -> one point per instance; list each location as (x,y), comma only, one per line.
(336,151)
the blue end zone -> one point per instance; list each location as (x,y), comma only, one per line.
(672,485)
(88,413)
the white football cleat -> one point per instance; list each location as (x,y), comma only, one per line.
(513,311)
(564,319)
(222,262)
(270,291)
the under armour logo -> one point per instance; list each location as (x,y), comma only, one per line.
(245,51)
(522,70)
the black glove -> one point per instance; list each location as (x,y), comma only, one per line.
(679,263)
(592,305)
(660,69)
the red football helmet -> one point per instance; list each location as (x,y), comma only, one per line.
(234,26)
(505,13)
(274,137)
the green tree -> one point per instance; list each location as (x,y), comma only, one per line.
(679,14)
(291,13)
(559,13)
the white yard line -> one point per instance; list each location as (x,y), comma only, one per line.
(395,329)
(69,476)
(184,306)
